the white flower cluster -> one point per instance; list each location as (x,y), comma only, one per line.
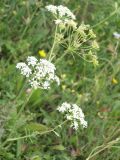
(40,73)
(25,70)
(61,11)
(74,114)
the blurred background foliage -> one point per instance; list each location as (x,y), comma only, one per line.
(25,28)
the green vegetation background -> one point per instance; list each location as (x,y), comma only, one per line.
(25,28)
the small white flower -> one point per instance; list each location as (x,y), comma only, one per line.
(58,21)
(83,122)
(57,80)
(75,125)
(64,11)
(52,8)
(46,85)
(34,83)
(74,114)
(116,35)
(25,70)
(61,11)
(65,106)
(32,61)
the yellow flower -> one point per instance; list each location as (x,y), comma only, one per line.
(42,53)
(114,81)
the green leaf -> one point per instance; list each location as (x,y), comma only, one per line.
(36,158)
(58,147)
(36,127)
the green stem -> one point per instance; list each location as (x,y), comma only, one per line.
(21,91)
(53,46)
(116,47)
(108,145)
(60,58)
(22,108)
(105,19)
(38,133)
(85,11)
(27,26)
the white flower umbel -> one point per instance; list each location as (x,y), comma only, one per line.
(61,11)
(74,114)
(41,73)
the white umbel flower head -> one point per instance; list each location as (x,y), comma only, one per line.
(41,73)
(73,113)
(61,11)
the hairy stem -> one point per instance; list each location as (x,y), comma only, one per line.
(38,133)
(53,46)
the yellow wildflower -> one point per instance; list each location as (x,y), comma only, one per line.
(42,53)
(114,81)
